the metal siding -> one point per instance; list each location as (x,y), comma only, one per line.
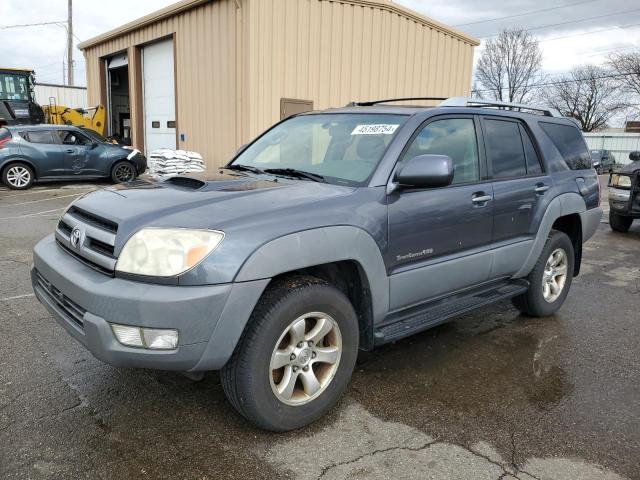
(73,97)
(620,144)
(234,65)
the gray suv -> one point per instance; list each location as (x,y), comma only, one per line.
(30,153)
(332,232)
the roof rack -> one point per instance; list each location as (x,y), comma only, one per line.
(480,103)
(389,100)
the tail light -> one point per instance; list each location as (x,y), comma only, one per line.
(3,141)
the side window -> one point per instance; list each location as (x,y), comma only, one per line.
(533,161)
(569,142)
(72,138)
(40,136)
(505,152)
(455,137)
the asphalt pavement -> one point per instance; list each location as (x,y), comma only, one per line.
(489,395)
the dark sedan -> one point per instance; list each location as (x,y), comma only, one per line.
(31,153)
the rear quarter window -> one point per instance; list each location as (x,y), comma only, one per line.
(569,143)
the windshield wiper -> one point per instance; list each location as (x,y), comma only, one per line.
(292,172)
(245,168)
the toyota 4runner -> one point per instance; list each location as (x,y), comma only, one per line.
(331,232)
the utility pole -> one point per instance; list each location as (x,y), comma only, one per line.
(70,42)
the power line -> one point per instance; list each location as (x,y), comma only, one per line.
(6,27)
(571,21)
(561,82)
(589,33)
(524,14)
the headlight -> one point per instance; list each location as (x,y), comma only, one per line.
(166,252)
(620,181)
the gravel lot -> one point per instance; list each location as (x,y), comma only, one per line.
(489,395)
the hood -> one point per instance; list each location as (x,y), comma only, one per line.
(206,200)
(631,167)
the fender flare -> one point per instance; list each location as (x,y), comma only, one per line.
(560,206)
(320,246)
(21,160)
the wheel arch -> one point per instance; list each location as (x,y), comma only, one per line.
(563,213)
(24,160)
(346,256)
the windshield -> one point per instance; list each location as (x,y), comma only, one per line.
(93,135)
(343,148)
(14,86)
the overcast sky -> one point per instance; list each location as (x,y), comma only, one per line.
(564,33)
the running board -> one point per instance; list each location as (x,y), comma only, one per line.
(413,320)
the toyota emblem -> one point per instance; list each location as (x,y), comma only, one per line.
(75,238)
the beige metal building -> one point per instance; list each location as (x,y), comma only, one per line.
(208,75)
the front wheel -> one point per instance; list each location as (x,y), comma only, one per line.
(296,356)
(122,172)
(550,279)
(619,223)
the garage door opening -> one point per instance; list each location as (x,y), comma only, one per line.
(158,83)
(118,97)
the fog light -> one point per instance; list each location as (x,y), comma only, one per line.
(151,338)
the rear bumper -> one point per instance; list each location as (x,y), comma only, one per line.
(590,220)
(84,302)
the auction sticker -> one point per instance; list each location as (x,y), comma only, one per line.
(379,129)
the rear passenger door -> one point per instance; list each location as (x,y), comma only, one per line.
(43,149)
(519,182)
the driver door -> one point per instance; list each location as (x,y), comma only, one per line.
(78,156)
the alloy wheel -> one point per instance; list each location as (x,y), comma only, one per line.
(305,358)
(554,276)
(18,176)
(123,173)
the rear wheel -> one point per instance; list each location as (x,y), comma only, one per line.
(296,356)
(123,171)
(18,176)
(619,223)
(550,279)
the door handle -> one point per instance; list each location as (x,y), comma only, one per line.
(69,151)
(481,198)
(541,188)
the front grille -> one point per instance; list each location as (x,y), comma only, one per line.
(88,237)
(72,311)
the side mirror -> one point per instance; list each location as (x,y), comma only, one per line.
(93,145)
(634,156)
(242,147)
(426,171)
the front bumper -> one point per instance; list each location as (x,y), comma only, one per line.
(85,301)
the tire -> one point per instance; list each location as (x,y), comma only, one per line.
(18,176)
(541,301)
(599,170)
(123,171)
(619,223)
(250,383)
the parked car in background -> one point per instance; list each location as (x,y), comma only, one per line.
(603,161)
(30,153)
(624,195)
(331,232)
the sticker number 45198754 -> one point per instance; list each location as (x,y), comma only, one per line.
(379,129)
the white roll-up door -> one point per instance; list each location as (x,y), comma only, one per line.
(159,96)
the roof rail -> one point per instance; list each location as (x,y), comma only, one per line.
(480,103)
(388,100)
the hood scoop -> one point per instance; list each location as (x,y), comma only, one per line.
(186,182)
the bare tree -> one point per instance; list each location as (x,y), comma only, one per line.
(509,65)
(627,68)
(588,94)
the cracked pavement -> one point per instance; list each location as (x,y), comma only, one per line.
(489,395)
